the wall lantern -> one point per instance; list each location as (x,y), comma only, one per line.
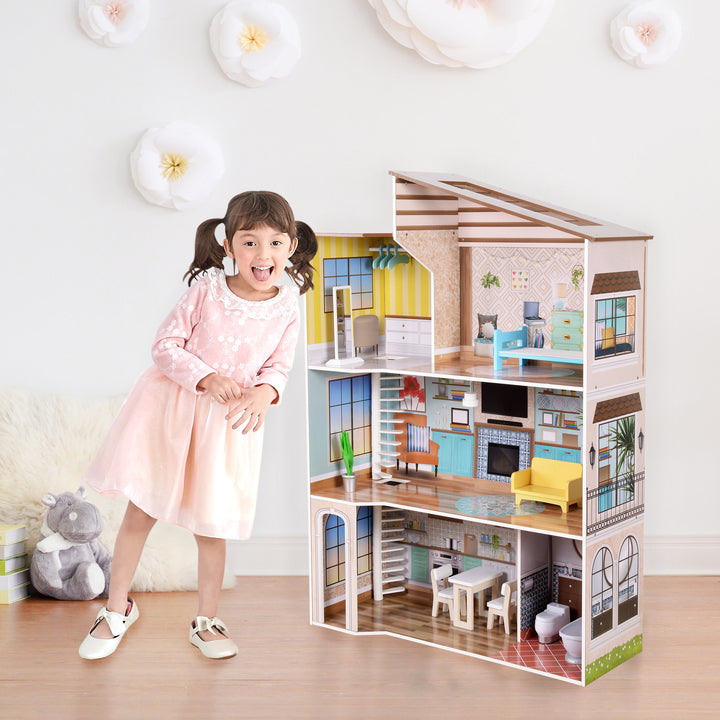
(641,440)
(592,453)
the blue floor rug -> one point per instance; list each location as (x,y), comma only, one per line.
(497,506)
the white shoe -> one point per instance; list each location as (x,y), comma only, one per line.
(94,648)
(215,649)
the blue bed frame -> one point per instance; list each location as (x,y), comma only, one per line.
(514,344)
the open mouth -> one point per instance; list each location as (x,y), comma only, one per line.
(262,274)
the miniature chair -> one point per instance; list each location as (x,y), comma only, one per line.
(416,444)
(504,606)
(366,332)
(442,592)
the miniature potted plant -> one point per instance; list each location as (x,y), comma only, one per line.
(349,479)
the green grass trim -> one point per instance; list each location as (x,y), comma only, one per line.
(615,657)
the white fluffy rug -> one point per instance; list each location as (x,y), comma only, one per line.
(46,443)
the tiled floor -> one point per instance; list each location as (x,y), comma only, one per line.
(548,658)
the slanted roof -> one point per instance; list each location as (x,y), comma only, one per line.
(484,213)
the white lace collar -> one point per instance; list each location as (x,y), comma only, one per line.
(219,290)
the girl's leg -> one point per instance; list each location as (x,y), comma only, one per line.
(135,527)
(211,568)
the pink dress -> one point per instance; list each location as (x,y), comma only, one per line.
(170,450)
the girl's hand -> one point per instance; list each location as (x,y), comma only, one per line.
(252,407)
(220,388)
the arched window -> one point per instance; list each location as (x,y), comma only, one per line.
(602,592)
(628,574)
(334,550)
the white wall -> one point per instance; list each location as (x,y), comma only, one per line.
(90,268)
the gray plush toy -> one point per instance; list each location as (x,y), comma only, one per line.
(69,562)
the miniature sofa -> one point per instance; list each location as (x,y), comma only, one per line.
(554,482)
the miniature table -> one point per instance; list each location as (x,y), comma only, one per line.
(477,579)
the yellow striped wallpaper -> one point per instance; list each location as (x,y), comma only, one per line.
(404,290)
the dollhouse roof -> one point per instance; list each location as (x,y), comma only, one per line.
(484,213)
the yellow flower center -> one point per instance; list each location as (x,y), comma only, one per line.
(252,39)
(173,166)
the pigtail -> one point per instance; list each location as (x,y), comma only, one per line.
(301,270)
(208,252)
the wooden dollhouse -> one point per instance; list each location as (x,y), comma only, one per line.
(508,331)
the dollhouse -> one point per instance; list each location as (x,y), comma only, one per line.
(487,360)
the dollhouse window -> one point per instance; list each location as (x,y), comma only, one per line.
(334,550)
(615,326)
(350,409)
(335,546)
(602,592)
(616,462)
(628,575)
(357,272)
(364,540)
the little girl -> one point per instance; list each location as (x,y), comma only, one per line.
(186,445)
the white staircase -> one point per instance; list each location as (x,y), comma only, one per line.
(389,554)
(386,397)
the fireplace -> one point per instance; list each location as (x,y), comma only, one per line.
(502,460)
(500,451)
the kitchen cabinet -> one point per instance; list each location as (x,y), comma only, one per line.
(419,564)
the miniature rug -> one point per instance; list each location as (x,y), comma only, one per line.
(497,506)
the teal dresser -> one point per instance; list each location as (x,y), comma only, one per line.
(566,329)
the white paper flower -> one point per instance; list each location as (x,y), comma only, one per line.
(646,33)
(176,166)
(470,33)
(113,22)
(255,40)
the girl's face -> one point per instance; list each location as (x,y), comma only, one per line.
(260,255)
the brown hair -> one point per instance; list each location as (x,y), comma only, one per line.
(247,211)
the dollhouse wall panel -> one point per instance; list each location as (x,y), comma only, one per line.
(421,208)
(615,315)
(614,597)
(438,251)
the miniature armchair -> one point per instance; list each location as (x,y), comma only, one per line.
(416,445)
(504,607)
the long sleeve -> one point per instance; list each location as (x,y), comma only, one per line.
(277,367)
(169,352)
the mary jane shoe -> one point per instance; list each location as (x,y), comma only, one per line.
(224,647)
(94,648)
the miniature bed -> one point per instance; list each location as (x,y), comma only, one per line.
(514,344)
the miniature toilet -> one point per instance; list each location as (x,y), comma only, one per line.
(571,636)
(550,620)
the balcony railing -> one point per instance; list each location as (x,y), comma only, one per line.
(615,502)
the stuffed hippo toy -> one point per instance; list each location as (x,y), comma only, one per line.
(69,562)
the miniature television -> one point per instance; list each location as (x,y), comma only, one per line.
(504,400)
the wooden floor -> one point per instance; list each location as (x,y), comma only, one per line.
(289,669)
(426,494)
(409,614)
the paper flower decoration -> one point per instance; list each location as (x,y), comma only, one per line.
(113,22)
(646,33)
(176,166)
(254,41)
(469,33)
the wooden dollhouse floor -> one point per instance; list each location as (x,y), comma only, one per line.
(409,614)
(467,366)
(447,495)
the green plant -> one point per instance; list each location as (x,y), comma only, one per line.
(577,275)
(623,437)
(495,543)
(489,279)
(347,452)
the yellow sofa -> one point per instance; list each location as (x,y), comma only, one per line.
(554,482)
